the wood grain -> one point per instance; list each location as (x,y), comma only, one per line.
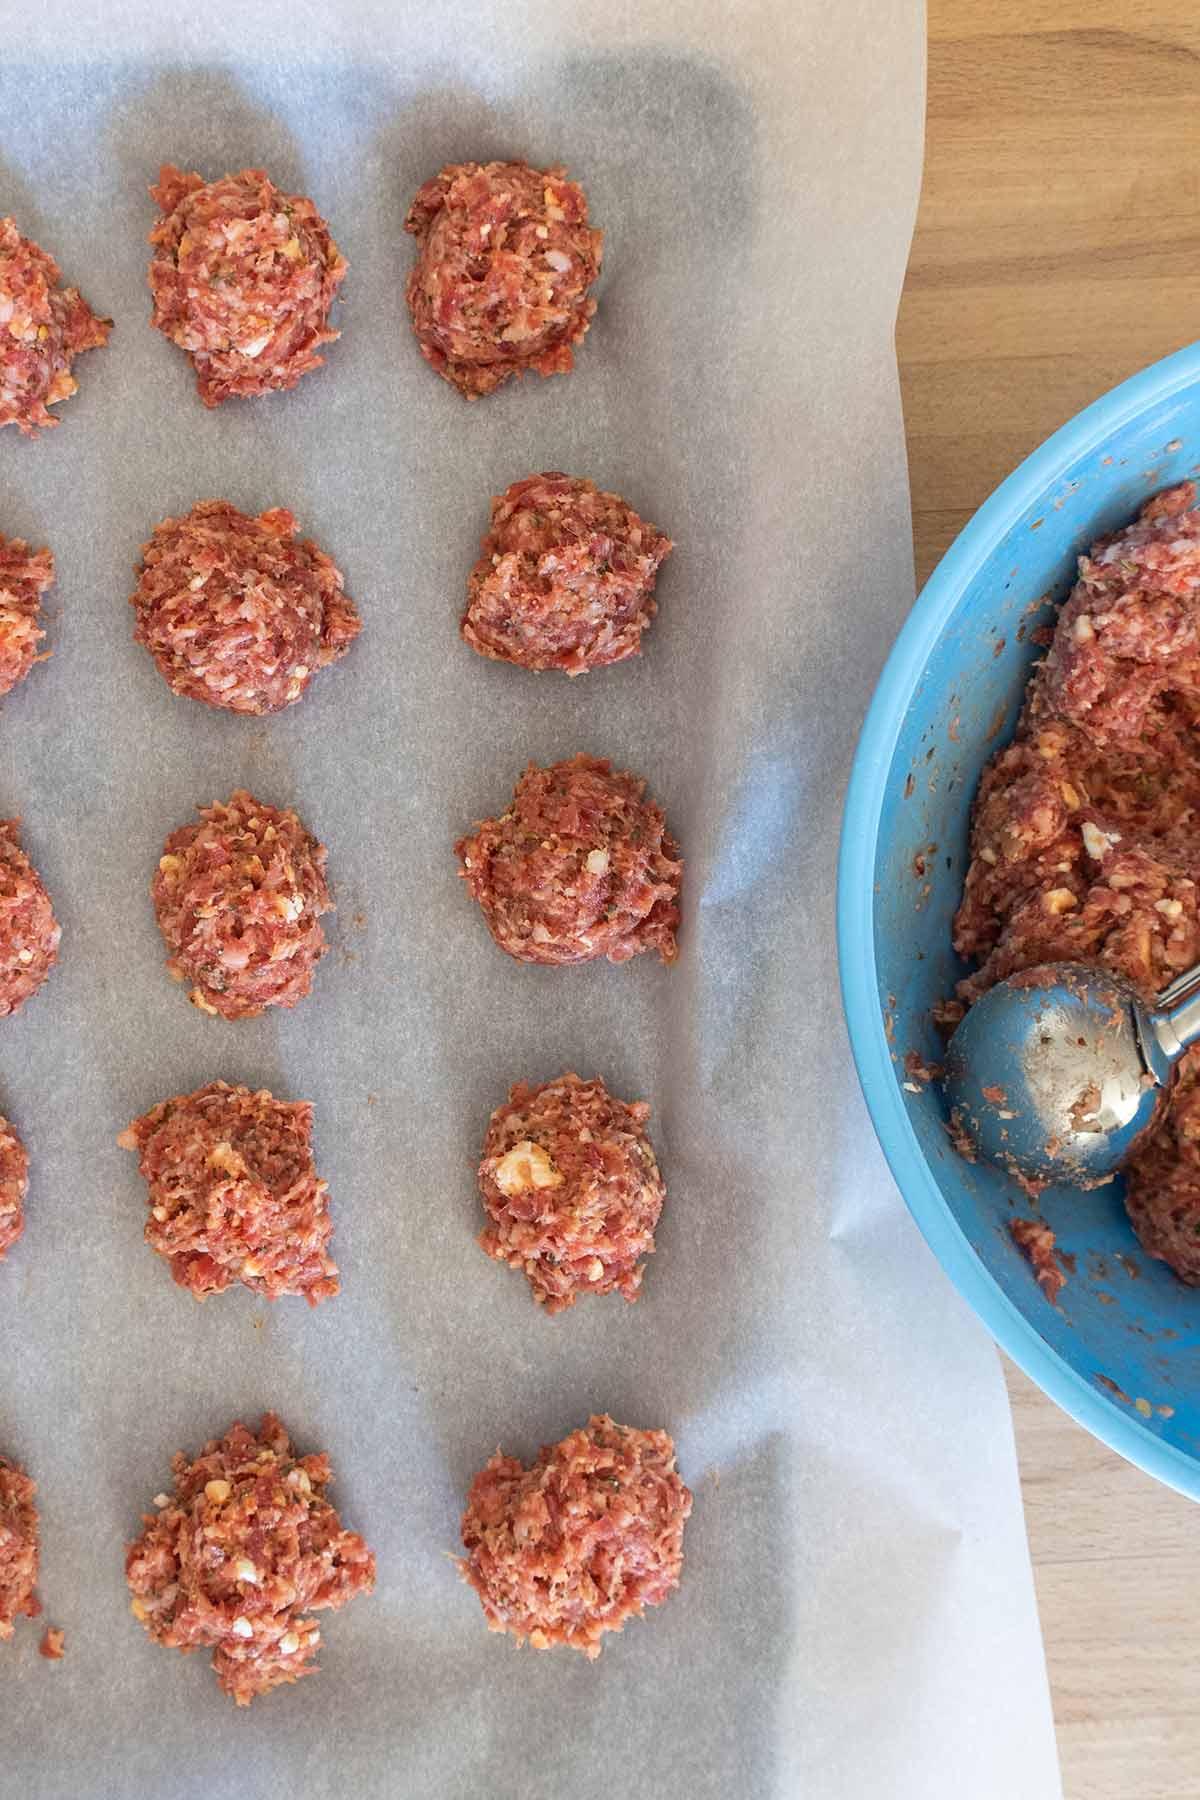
(1057,250)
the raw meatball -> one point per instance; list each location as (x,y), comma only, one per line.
(234,1194)
(566,579)
(243,278)
(1130,631)
(29,932)
(505,258)
(572,1189)
(564,1551)
(238,613)
(18,1548)
(580,866)
(43,328)
(25,575)
(273,1549)
(239,899)
(14,1184)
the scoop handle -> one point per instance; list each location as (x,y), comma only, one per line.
(1178,989)
(1176,1027)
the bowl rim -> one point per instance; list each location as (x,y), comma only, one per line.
(1026,487)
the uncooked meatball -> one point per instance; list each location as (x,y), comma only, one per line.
(43,328)
(25,575)
(18,1548)
(581,865)
(274,1551)
(234,1194)
(238,612)
(566,579)
(238,899)
(505,258)
(29,932)
(589,1536)
(572,1191)
(243,278)
(14,1185)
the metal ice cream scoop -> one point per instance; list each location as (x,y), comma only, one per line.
(1055,1072)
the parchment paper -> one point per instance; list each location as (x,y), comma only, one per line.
(856,1614)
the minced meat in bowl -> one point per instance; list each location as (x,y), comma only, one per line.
(1117,1347)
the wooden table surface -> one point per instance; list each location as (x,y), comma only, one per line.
(1058,250)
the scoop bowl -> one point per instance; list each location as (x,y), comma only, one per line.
(1055,1074)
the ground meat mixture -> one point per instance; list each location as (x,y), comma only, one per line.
(1084,855)
(1085,838)
(1162,1183)
(593,1533)
(566,579)
(239,898)
(43,328)
(234,1194)
(1130,632)
(14,1184)
(243,1550)
(51,1646)
(1035,1241)
(581,865)
(505,258)
(29,932)
(18,1547)
(571,1189)
(236,611)
(243,278)
(25,575)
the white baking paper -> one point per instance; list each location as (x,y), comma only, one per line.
(856,1616)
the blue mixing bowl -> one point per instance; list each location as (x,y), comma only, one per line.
(1121,1351)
